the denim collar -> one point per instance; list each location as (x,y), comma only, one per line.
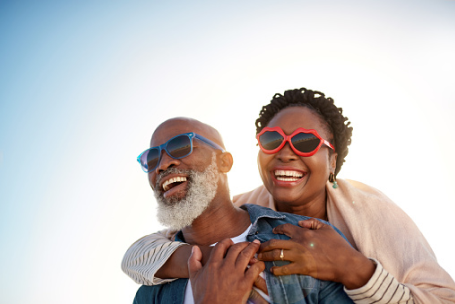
(255,212)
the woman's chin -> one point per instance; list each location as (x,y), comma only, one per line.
(285,198)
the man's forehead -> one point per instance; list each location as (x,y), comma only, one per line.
(180,125)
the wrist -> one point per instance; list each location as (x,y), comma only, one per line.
(177,264)
(359,271)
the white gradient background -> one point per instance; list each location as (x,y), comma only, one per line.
(83,84)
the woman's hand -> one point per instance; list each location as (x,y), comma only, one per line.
(317,250)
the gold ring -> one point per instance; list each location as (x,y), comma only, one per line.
(282,254)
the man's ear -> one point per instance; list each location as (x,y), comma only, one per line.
(225,162)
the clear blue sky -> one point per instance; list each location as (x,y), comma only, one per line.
(83,84)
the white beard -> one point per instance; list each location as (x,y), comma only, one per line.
(202,187)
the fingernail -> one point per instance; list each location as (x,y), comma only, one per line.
(256,241)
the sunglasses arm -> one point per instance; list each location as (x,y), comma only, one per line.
(209,142)
(328,144)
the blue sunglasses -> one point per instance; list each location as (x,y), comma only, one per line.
(177,147)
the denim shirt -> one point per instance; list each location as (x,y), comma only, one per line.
(299,289)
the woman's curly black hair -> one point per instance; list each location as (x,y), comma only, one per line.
(338,124)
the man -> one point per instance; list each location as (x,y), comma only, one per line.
(187,167)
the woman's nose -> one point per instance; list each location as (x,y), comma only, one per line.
(286,154)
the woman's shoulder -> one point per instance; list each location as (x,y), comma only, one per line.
(258,196)
(364,210)
(351,191)
(353,200)
(359,186)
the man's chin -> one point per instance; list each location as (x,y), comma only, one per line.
(173,199)
(176,215)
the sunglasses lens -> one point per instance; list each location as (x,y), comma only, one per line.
(305,142)
(271,140)
(150,159)
(179,147)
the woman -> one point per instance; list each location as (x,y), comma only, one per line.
(303,139)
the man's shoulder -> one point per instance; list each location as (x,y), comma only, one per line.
(275,218)
(162,293)
(260,212)
(145,294)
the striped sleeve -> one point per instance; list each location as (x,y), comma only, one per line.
(381,288)
(143,259)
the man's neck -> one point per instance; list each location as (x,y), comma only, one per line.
(221,220)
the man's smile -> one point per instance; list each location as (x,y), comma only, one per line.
(172,182)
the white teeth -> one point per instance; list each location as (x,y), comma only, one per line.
(173,180)
(287,175)
(287,179)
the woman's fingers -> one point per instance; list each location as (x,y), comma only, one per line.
(253,272)
(260,283)
(292,268)
(256,298)
(276,244)
(275,255)
(287,229)
(312,224)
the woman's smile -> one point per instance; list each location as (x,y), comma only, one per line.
(287,177)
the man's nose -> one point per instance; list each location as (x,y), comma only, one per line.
(166,162)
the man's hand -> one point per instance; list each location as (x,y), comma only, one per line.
(225,278)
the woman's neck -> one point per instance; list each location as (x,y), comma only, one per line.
(316,207)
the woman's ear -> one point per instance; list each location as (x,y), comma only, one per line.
(225,162)
(333,161)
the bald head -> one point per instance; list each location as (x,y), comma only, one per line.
(178,125)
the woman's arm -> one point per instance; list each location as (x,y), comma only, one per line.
(381,288)
(319,251)
(155,255)
(155,259)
